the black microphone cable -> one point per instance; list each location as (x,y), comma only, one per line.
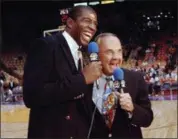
(93,117)
(91,124)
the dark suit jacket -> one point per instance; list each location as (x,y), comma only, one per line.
(51,81)
(142,115)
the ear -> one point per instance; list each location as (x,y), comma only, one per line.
(69,22)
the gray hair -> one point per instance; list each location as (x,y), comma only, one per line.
(105,34)
(97,38)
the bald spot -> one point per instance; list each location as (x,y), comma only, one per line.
(108,41)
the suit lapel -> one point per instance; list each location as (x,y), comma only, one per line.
(98,118)
(68,55)
(65,48)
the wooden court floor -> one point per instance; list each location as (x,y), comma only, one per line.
(14,121)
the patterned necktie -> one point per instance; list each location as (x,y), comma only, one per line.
(109,101)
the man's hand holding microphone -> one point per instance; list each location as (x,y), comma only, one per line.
(124,99)
(93,70)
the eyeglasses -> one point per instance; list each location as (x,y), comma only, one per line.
(112,53)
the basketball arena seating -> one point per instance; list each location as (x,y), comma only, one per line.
(167,86)
(14,61)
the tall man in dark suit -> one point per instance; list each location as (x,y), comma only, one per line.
(133,108)
(54,89)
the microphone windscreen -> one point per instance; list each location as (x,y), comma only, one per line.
(118,74)
(93,47)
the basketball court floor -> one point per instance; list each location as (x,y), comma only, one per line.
(14,119)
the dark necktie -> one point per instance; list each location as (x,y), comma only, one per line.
(79,65)
(80,60)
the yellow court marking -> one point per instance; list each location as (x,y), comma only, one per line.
(15,115)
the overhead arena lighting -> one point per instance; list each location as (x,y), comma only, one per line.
(94,3)
(81,3)
(107,1)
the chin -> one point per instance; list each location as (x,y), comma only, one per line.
(85,43)
(108,73)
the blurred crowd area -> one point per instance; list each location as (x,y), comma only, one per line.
(11,75)
(158,62)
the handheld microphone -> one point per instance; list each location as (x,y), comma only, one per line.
(93,52)
(119,82)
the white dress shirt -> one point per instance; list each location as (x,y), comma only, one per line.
(97,95)
(73,47)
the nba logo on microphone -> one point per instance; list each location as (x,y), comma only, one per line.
(93,56)
(122,83)
(116,85)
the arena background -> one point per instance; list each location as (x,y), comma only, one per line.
(147,28)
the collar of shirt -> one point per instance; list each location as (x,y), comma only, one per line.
(73,46)
(104,77)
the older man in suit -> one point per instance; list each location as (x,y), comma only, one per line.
(132,109)
(55,89)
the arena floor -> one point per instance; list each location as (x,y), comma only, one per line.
(14,120)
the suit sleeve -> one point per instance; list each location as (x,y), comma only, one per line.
(38,90)
(142,114)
